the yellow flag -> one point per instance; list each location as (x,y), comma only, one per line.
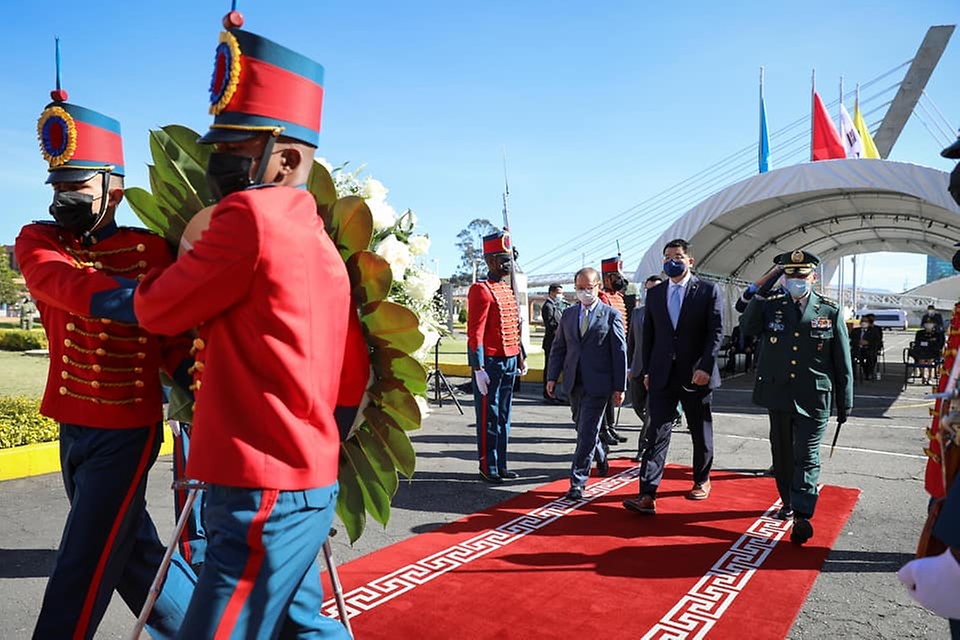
(869,148)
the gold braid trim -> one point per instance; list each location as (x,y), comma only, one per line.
(98,368)
(78,253)
(96,384)
(66,392)
(103,335)
(103,352)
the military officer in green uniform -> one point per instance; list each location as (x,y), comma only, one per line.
(804,367)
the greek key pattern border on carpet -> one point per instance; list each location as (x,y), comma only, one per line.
(701,607)
(385,588)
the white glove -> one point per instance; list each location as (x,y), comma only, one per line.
(483,381)
(934,582)
(524,369)
(174,427)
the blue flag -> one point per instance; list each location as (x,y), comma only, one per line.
(764,155)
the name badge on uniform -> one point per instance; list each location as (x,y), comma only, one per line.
(821,323)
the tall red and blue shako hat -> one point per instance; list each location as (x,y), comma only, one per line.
(496,243)
(77,142)
(259,85)
(611,265)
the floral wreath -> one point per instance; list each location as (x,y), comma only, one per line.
(394,299)
(58,135)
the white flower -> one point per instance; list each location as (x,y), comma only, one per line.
(384,216)
(324,163)
(422,285)
(419,245)
(373,189)
(424,406)
(397,254)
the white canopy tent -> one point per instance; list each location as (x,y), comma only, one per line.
(832,208)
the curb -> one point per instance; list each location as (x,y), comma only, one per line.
(38,459)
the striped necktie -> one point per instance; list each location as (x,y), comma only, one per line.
(584,321)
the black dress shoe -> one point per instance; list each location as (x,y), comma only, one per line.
(575,493)
(785,513)
(490,478)
(603,468)
(606,437)
(617,436)
(802,530)
(508,475)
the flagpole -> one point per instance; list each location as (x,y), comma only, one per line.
(813,93)
(840,106)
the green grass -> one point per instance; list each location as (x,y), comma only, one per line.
(22,375)
(454,351)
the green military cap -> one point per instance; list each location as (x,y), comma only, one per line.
(797,263)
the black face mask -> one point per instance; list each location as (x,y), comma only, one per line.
(227,173)
(618,283)
(74,211)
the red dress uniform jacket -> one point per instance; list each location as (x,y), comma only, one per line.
(493,321)
(102,373)
(615,300)
(271,297)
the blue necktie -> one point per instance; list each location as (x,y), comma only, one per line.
(673,305)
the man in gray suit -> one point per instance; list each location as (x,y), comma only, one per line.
(591,350)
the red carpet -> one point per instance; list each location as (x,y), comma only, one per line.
(537,566)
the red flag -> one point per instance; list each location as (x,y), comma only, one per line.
(827,144)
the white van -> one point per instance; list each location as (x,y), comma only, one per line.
(888,318)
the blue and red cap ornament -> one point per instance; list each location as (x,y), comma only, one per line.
(77,142)
(496,243)
(260,86)
(611,265)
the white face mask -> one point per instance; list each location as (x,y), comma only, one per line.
(586,296)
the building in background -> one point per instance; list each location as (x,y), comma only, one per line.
(938,268)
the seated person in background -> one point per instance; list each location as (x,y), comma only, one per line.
(739,343)
(932,316)
(866,342)
(927,347)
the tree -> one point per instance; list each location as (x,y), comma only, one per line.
(10,291)
(470,243)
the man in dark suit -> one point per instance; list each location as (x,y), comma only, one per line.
(932,316)
(682,333)
(804,367)
(591,350)
(550,314)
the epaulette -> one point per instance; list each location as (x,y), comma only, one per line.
(829,302)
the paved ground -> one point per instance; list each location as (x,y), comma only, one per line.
(856,596)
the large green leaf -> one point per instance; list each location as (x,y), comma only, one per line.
(166,149)
(389,324)
(379,460)
(352,225)
(393,439)
(393,364)
(402,406)
(145,206)
(370,276)
(350,505)
(320,184)
(174,174)
(375,497)
(186,139)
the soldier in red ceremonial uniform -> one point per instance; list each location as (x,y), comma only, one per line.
(103,384)
(495,355)
(279,348)
(614,284)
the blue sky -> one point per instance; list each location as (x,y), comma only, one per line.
(598,105)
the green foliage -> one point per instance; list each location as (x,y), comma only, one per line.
(22,340)
(21,422)
(9,290)
(462,316)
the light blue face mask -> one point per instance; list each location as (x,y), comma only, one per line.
(797,287)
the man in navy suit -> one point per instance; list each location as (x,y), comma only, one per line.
(682,332)
(591,350)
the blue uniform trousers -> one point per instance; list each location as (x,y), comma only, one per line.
(589,412)
(493,413)
(663,410)
(795,444)
(193,540)
(109,541)
(261,578)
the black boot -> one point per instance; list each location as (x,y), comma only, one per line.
(606,437)
(613,432)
